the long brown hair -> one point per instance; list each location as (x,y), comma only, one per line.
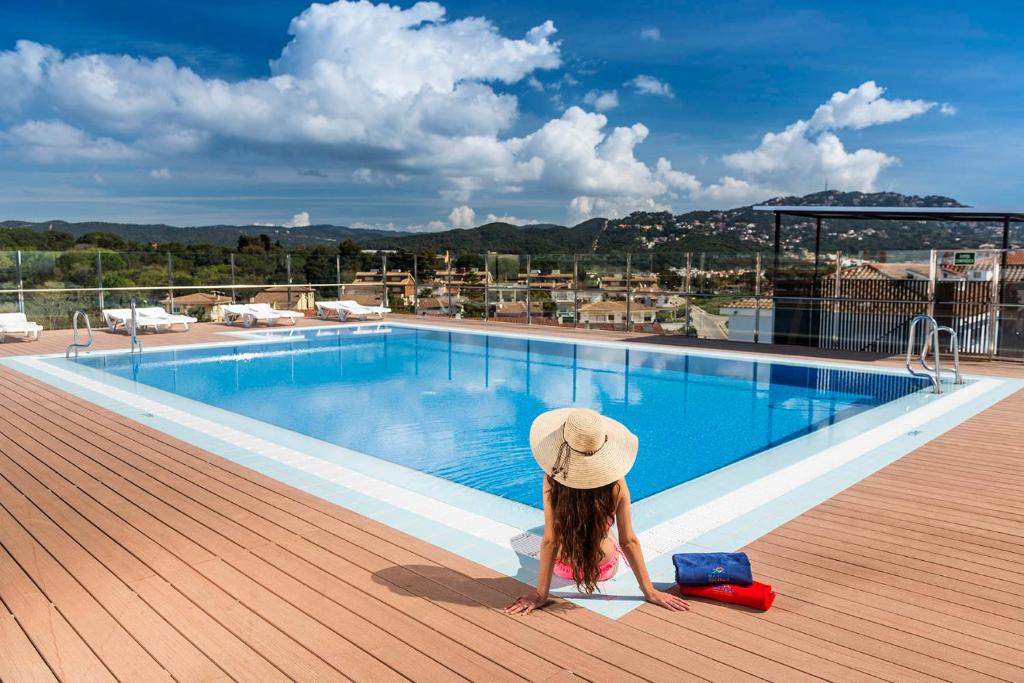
(581,523)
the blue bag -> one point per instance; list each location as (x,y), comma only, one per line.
(706,569)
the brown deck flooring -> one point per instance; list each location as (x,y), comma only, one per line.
(128,554)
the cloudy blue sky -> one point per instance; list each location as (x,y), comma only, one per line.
(434,115)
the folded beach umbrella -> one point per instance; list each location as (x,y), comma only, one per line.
(706,569)
(757,595)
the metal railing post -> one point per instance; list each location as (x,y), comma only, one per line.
(995,300)
(21,284)
(487,288)
(448,287)
(688,298)
(529,275)
(232,261)
(415,283)
(99,278)
(384,279)
(288,277)
(170,280)
(337,273)
(757,298)
(575,290)
(629,291)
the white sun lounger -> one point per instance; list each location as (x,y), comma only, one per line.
(171,318)
(253,314)
(122,318)
(281,314)
(18,324)
(348,308)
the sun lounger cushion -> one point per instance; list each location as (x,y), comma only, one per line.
(704,569)
(756,595)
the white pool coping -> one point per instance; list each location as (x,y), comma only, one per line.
(722,510)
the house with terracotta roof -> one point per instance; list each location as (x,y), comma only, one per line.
(202,305)
(368,287)
(287,297)
(614,313)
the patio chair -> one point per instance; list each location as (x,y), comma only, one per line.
(18,324)
(171,318)
(122,318)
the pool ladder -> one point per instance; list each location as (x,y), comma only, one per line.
(136,345)
(75,345)
(931,343)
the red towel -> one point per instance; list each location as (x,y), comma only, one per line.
(757,595)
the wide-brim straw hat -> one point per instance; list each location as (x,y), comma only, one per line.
(582,449)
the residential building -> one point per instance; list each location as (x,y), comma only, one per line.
(285,297)
(614,313)
(203,305)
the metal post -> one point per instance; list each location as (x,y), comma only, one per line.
(778,250)
(817,254)
(337,273)
(21,284)
(757,297)
(415,283)
(689,299)
(487,286)
(288,276)
(629,291)
(836,294)
(575,290)
(99,277)
(170,279)
(933,271)
(384,278)
(448,286)
(232,260)
(995,299)
(529,308)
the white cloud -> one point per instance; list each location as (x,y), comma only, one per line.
(583,207)
(602,100)
(807,155)
(947,109)
(512,220)
(462,217)
(404,88)
(864,106)
(50,142)
(649,85)
(651,33)
(299,220)
(160,174)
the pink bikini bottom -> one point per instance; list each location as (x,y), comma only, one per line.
(607,570)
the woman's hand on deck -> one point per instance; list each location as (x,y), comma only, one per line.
(526,604)
(667,600)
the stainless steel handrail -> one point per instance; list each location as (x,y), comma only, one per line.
(931,343)
(136,345)
(75,344)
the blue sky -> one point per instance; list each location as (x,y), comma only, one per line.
(422,117)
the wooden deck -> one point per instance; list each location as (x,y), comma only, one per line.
(128,554)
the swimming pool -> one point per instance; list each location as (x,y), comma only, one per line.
(424,428)
(459,405)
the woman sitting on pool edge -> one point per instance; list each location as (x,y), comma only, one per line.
(585,458)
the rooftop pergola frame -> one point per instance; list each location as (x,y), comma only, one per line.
(885,213)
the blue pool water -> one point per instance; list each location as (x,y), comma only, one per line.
(459,405)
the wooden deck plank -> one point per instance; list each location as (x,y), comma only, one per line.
(579,665)
(116,647)
(19,660)
(873,583)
